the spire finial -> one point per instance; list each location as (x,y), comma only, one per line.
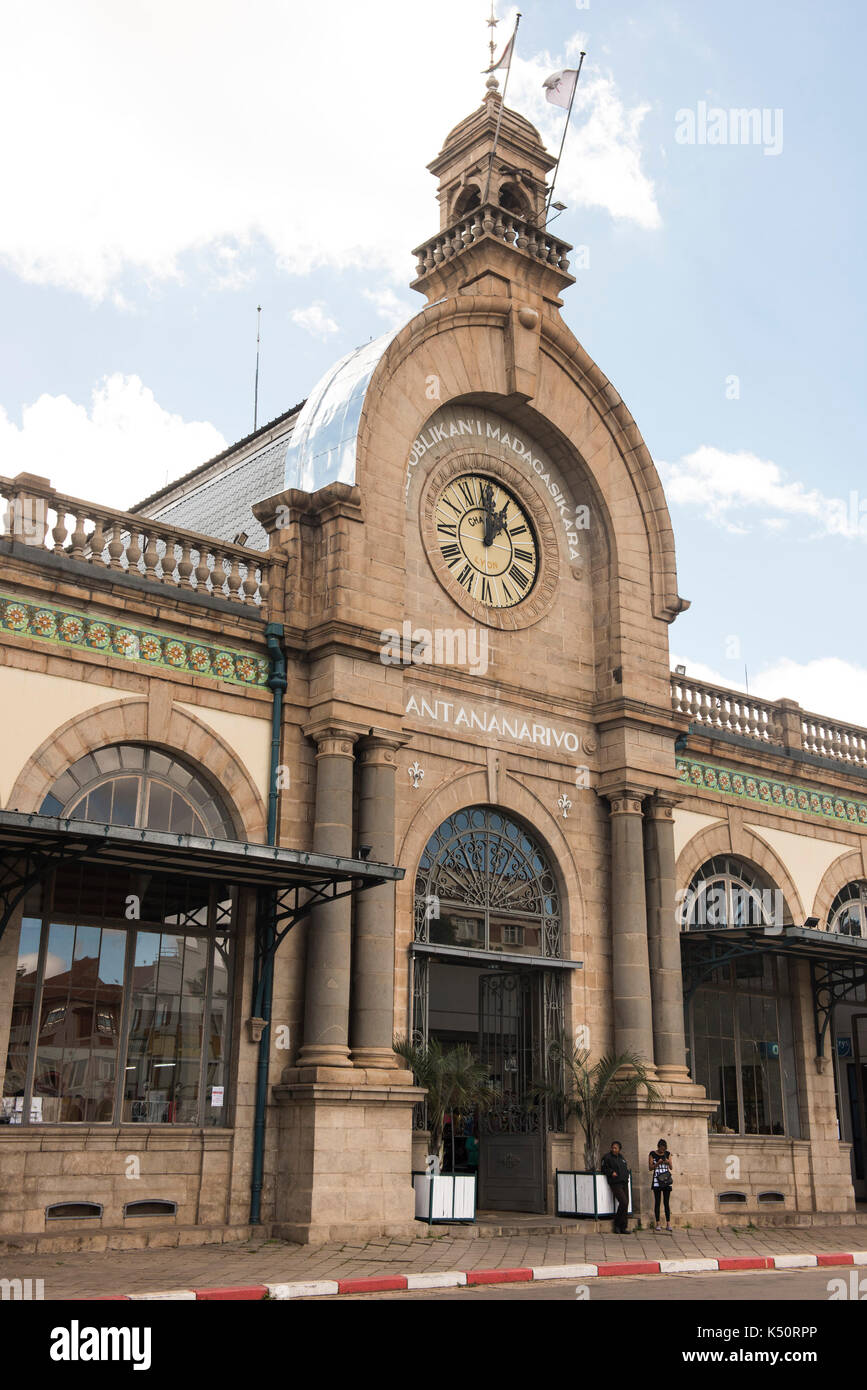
(492,84)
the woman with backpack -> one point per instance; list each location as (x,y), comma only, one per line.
(659,1163)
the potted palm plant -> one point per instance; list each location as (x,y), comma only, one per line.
(456,1083)
(593,1094)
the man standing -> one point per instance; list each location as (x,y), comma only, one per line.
(616,1171)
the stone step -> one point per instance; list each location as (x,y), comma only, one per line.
(96,1239)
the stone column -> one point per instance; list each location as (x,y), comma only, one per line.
(329,935)
(633,1018)
(663,940)
(372,1016)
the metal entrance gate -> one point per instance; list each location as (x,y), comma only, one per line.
(512,1138)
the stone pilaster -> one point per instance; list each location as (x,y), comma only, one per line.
(372,1014)
(633,1018)
(329,940)
(663,940)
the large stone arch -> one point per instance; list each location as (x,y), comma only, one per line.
(464,350)
(849,868)
(738,843)
(440,345)
(471,789)
(131,721)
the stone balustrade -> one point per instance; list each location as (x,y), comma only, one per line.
(781,723)
(715,709)
(492,221)
(36,514)
(828,739)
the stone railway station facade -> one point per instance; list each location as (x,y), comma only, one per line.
(367,727)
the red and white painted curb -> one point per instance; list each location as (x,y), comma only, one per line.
(458,1278)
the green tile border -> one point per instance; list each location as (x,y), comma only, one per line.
(64,627)
(770,792)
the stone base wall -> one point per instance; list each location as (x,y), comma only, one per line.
(679,1117)
(812,1176)
(40,1167)
(345,1160)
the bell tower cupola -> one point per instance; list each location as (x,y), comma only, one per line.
(492,189)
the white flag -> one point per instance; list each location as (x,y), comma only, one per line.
(505,57)
(560,87)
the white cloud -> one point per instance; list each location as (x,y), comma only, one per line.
(390,307)
(828,685)
(122,448)
(314,320)
(740,490)
(143,133)
(601,165)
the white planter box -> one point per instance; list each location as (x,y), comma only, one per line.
(445,1197)
(586,1194)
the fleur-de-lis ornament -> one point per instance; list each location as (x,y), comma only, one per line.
(416,772)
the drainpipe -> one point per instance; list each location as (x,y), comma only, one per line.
(263,984)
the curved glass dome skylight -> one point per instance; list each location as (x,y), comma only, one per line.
(322,447)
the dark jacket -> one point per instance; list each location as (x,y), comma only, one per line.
(616,1169)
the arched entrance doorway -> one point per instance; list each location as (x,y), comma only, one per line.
(487,971)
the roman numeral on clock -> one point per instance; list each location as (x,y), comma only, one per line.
(519,577)
(467,492)
(525,555)
(518,531)
(487,591)
(451,553)
(466,576)
(448,528)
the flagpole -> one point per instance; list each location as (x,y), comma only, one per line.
(500,113)
(563,141)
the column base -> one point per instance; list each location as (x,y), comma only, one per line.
(324,1055)
(344,1162)
(376,1057)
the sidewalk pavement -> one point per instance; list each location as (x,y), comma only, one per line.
(269,1262)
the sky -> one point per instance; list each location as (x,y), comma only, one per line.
(169,165)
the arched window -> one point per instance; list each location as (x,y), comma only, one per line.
(728,893)
(123,983)
(484,883)
(848,913)
(467,200)
(143,787)
(513,200)
(738,1021)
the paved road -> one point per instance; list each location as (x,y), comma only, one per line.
(766,1286)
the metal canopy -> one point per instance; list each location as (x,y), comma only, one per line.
(838,964)
(31,845)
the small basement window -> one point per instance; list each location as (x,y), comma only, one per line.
(150,1208)
(772,1197)
(73,1211)
(730,1198)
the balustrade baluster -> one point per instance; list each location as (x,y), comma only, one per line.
(151,556)
(97,542)
(133,552)
(250,584)
(115,546)
(60,532)
(234,580)
(203,573)
(185,566)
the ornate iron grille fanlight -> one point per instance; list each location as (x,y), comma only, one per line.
(481,868)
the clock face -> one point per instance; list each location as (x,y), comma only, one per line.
(486,540)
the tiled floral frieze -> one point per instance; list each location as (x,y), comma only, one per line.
(130,642)
(770,792)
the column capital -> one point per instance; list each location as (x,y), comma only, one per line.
(625,801)
(661,806)
(380,748)
(333,737)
